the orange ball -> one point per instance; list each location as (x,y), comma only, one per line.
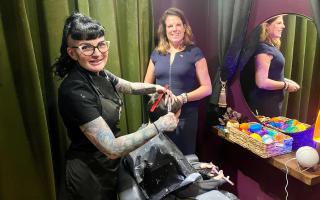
(244,126)
(278,137)
(295,122)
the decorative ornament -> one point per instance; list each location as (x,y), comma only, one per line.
(223,97)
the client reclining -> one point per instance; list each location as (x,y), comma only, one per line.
(163,172)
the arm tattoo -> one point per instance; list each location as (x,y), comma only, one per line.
(100,134)
(135,88)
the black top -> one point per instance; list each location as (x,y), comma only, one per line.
(80,100)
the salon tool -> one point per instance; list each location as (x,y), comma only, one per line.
(225,178)
(153,107)
(169,105)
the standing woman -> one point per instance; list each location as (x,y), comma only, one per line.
(178,63)
(267,96)
(90,107)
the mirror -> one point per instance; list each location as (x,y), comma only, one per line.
(300,49)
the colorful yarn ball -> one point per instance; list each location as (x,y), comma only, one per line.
(261,132)
(271,132)
(255,127)
(256,136)
(301,127)
(244,126)
(295,122)
(275,124)
(291,129)
(276,119)
(267,139)
(278,137)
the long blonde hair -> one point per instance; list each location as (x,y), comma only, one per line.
(264,35)
(163,45)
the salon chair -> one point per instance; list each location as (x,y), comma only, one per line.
(130,190)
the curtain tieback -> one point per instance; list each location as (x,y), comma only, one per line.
(223,97)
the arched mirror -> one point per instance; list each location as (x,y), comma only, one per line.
(299,53)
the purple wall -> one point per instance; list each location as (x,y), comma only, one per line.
(262,10)
(254,177)
(198,14)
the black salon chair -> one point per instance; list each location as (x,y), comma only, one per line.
(129,189)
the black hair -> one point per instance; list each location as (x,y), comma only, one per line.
(161,109)
(78,27)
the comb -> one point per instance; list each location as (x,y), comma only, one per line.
(153,107)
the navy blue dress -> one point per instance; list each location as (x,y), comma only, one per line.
(269,102)
(181,77)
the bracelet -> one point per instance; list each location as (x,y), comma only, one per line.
(156,127)
(184,97)
(285,85)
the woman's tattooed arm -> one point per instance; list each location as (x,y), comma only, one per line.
(100,134)
(136,88)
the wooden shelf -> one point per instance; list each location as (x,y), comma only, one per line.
(309,177)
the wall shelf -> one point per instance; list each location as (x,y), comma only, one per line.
(308,177)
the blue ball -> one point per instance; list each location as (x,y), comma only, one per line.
(255,127)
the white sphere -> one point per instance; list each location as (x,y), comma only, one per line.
(307,156)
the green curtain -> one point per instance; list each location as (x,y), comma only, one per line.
(314,103)
(32,137)
(300,46)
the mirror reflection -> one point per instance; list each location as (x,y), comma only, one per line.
(279,67)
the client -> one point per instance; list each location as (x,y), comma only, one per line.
(163,172)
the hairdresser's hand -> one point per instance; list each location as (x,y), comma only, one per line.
(169,98)
(160,89)
(167,122)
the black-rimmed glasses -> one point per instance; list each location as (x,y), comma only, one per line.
(88,49)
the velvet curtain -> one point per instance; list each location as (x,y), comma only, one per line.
(300,47)
(32,137)
(233,17)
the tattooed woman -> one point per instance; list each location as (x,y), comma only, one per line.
(90,106)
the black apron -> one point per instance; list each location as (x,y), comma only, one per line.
(91,175)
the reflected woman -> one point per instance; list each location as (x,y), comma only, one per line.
(267,94)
